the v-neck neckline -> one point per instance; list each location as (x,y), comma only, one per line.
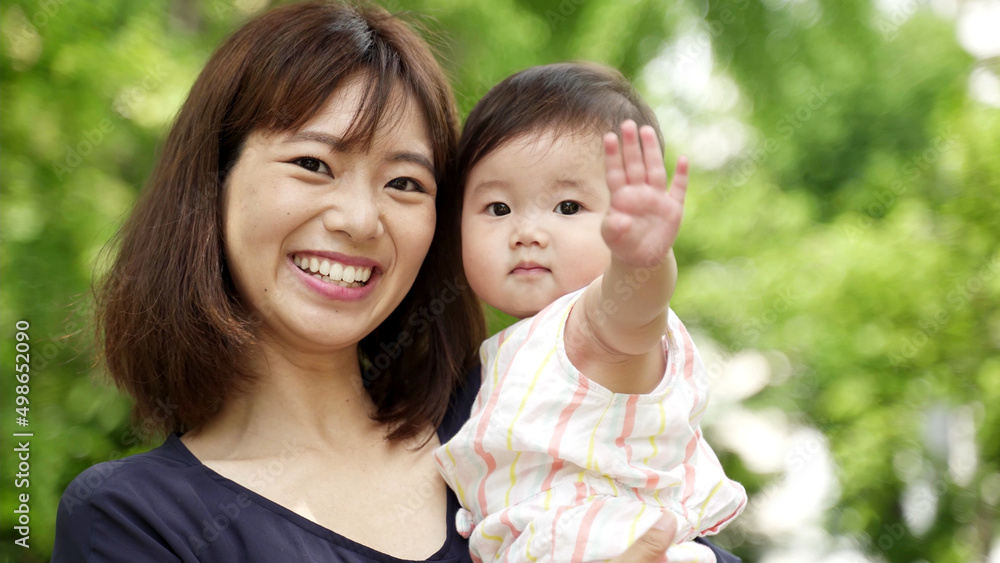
(308,525)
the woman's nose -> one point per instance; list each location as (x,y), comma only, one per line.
(357,212)
(529,231)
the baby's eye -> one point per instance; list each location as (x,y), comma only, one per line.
(312,164)
(497,209)
(567,208)
(405,185)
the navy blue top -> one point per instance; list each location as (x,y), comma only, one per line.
(165,505)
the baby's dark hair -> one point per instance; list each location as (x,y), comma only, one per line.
(565,98)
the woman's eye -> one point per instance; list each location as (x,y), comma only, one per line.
(405,185)
(568,208)
(497,209)
(312,164)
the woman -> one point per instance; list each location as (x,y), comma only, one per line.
(287,302)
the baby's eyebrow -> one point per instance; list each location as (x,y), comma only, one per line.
(488,185)
(569,183)
(576,184)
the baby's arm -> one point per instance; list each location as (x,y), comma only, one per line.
(614,338)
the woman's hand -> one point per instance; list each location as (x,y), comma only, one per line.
(651,546)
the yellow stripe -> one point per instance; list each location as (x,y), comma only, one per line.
(699,411)
(548,500)
(496,361)
(483,533)
(496,368)
(591,463)
(513,479)
(631,530)
(705,504)
(652,439)
(524,401)
(527,550)
(458,484)
(613,487)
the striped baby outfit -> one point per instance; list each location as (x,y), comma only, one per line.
(554,467)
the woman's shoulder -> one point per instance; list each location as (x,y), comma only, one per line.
(145,472)
(110,510)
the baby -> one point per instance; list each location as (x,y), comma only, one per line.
(586,428)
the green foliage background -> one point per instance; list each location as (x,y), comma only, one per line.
(854,241)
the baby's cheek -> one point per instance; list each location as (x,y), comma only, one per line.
(476,262)
(591,258)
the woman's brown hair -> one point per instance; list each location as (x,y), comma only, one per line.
(172,326)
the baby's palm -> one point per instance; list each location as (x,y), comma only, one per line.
(644,218)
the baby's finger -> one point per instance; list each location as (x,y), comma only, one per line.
(615,226)
(613,163)
(652,153)
(678,188)
(635,169)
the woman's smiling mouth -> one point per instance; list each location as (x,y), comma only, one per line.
(333,272)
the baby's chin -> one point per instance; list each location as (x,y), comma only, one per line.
(522,314)
(522,309)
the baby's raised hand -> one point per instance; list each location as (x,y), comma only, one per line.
(644,218)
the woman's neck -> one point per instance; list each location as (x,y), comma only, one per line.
(316,400)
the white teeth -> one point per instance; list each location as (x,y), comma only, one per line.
(334,272)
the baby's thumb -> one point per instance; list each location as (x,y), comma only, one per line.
(651,546)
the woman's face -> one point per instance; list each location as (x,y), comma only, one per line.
(323,244)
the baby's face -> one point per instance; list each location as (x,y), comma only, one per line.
(531,221)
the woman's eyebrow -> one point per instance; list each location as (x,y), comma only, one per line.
(415,158)
(335,143)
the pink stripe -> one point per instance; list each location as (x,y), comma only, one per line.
(560,431)
(689,477)
(477,444)
(584,533)
(505,520)
(652,477)
(709,454)
(556,466)
(477,405)
(638,494)
(688,466)
(628,425)
(689,357)
(727,518)
(688,353)
(555,528)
